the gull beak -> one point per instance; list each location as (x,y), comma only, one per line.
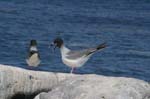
(52,44)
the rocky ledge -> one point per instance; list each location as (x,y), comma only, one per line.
(17,83)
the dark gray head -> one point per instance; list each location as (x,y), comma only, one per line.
(33,43)
(58,42)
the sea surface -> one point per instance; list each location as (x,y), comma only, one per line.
(123,24)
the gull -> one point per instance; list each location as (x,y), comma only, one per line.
(75,59)
(33,58)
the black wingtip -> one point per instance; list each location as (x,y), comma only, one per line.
(101,46)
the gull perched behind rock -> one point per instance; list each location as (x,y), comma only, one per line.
(33,58)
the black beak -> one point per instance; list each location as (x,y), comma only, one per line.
(54,45)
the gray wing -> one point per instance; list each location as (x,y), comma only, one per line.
(78,54)
(86,52)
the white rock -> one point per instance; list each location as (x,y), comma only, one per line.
(99,87)
(15,81)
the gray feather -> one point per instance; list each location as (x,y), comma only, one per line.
(86,52)
(78,54)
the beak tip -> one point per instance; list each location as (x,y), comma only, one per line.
(51,45)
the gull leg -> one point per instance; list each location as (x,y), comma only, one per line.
(72,70)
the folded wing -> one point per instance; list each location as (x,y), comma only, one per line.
(86,52)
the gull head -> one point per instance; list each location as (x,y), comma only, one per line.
(58,42)
(33,43)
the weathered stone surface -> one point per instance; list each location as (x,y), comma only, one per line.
(17,81)
(26,83)
(99,87)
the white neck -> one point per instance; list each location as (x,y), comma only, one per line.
(33,48)
(64,50)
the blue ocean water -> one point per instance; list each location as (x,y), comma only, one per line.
(123,24)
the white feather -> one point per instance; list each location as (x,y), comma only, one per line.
(33,60)
(72,62)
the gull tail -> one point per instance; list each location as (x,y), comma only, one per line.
(101,46)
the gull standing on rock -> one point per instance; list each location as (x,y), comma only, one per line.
(33,58)
(75,59)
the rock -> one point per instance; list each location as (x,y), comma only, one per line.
(17,83)
(98,87)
